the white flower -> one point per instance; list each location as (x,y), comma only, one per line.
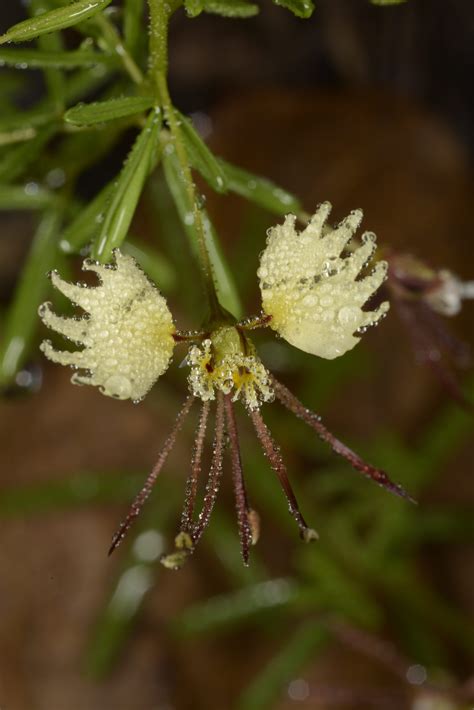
(227,361)
(310,288)
(127,334)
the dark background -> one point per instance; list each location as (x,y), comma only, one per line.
(364,106)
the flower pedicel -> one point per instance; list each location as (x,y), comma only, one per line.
(312,296)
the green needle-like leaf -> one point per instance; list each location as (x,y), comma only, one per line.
(200,157)
(300,8)
(155,265)
(22,318)
(128,190)
(225,8)
(25,197)
(102,111)
(138,574)
(225,286)
(41,59)
(259,190)
(224,610)
(308,640)
(17,160)
(54,20)
(133,24)
(88,222)
(79,490)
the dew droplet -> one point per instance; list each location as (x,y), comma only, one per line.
(118,386)
(349,315)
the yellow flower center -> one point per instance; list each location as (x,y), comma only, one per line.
(227,361)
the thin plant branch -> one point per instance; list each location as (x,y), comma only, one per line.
(241,502)
(272,452)
(215,473)
(142,496)
(193,478)
(314,421)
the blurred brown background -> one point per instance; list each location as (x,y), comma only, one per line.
(360,105)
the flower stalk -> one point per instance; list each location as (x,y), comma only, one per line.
(160,15)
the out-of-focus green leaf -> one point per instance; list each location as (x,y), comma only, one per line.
(75,491)
(85,82)
(22,317)
(227,610)
(87,223)
(109,37)
(54,20)
(222,541)
(102,111)
(19,135)
(403,588)
(300,8)
(155,265)
(337,589)
(259,190)
(27,197)
(117,618)
(41,59)
(308,641)
(228,295)
(201,157)
(44,115)
(18,159)
(225,8)
(440,526)
(128,190)
(144,546)
(133,24)
(171,238)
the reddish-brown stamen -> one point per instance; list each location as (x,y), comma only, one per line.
(140,499)
(192,481)
(215,473)
(313,420)
(272,451)
(241,502)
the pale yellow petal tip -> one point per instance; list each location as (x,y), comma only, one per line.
(127,334)
(310,286)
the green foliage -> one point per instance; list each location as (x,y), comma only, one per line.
(201,157)
(111,110)
(225,8)
(303,645)
(186,211)
(42,59)
(54,20)
(21,321)
(300,8)
(127,190)
(259,190)
(362,569)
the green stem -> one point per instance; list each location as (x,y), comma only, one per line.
(160,14)
(115,44)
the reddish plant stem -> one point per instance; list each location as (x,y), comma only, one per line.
(140,499)
(193,478)
(313,420)
(272,451)
(215,473)
(241,502)
(431,341)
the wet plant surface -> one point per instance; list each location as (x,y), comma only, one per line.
(374,613)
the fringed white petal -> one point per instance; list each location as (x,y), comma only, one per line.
(310,287)
(127,334)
